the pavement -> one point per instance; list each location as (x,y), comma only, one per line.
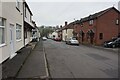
(28,63)
(35,65)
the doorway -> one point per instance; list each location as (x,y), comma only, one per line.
(11,33)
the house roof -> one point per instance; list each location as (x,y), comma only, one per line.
(93,16)
(69,26)
(96,15)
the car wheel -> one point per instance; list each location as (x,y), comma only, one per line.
(113,46)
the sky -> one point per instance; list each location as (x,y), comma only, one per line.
(56,12)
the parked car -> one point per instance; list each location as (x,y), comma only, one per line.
(72,41)
(106,43)
(44,38)
(113,44)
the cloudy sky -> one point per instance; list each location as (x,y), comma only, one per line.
(56,12)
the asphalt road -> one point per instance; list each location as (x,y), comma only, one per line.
(67,61)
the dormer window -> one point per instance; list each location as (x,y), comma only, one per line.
(90,22)
(117,22)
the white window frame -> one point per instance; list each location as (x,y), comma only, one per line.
(91,22)
(3,27)
(18,32)
(2,44)
(18,4)
(117,21)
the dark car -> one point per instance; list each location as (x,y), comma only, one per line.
(106,43)
(113,44)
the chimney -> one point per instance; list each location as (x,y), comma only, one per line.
(65,23)
(61,26)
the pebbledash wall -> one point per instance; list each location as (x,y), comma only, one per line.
(12,31)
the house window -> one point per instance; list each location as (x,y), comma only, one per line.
(81,24)
(2,31)
(117,22)
(101,36)
(90,22)
(18,4)
(18,32)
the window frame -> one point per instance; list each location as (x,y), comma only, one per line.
(91,22)
(18,32)
(18,5)
(2,26)
(101,36)
(117,22)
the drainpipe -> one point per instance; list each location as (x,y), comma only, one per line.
(23,24)
(96,32)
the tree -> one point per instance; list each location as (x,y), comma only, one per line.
(45,30)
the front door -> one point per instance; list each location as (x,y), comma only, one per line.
(12,52)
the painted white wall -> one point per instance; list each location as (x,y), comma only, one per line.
(69,33)
(28,15)
(28,39)
(55,33)
(28,19)
(12,16)
(50,35)
(64,35)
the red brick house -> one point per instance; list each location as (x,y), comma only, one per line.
(99,27)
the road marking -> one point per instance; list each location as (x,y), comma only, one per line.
(46,65)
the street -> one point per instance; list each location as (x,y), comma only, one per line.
(69,61)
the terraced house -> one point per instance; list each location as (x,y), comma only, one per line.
(66,31)
(15,27)
(28,23)
(99,27)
